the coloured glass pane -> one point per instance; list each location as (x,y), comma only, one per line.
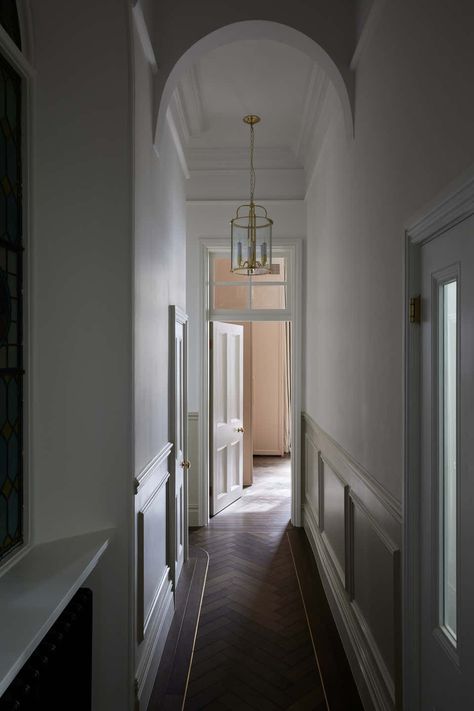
(11,359)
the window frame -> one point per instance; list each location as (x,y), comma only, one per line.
(249,314)
(19,61)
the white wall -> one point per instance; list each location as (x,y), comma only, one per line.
(81,304)
(159,281)
(160,266)
(413,135)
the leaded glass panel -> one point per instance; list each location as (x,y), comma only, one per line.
(11,269)
(9,20)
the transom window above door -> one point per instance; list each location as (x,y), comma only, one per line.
(231,293)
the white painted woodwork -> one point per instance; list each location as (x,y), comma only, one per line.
(226,406)
(313,468)
(375,605)
(446,666)
(334,531)
(210,216)
(453,205)
(36,590)
(193,479)
(354,527)
(248,404)
(178,422)
(268,340)
(153,586)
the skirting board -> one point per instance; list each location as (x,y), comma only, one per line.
(373,693)
(154,645)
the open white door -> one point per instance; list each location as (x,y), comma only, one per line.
(179,464)
(226,408)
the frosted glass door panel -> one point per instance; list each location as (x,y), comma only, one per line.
(448,446)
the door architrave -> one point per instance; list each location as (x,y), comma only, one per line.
(294,246)
(177,316)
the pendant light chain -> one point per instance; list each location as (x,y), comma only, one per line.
(251,228)
(252,169)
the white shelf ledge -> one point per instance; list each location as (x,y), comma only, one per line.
(35,591)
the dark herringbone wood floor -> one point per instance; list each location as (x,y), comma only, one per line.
(253,648)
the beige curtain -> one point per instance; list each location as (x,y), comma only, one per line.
(286,344)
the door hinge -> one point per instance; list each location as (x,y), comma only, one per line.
(136,484)
(415,309)
(210,344)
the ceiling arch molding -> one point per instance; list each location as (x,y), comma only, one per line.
(256,30)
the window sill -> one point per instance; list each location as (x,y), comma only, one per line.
(35,591)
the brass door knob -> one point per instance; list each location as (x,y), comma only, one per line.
(186,464)
(239,429)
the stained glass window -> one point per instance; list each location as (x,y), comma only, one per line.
(9,20)
(11,355)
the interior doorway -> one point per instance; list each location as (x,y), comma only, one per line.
(250,416)
(266,307)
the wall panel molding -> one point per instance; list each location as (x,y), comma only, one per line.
(350,469)
(153,584)
(354,527)
(153,465)
(195,505)
(144,615)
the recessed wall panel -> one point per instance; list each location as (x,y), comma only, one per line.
(334,515)
(153,522)
(312,477)
(375,561)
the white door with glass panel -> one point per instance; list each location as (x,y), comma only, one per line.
(226,408)
(447,470)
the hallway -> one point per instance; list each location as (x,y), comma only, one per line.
(253,647)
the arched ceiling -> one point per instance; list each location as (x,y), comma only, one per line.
(274,80)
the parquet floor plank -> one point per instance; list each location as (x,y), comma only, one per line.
(253,649)
(252,615)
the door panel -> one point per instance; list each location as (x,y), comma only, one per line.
(226,400)
(447,470)
(178,437)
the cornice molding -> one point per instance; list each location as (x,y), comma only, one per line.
(237,158)
(453,205)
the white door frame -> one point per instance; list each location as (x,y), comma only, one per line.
(294,246)
(453,206)
(177,316)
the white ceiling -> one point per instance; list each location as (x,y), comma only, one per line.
(264,78)
(268,78)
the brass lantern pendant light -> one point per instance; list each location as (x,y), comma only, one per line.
(251,228)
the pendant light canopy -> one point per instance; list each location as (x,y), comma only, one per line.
(251,228)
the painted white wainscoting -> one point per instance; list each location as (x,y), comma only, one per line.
(154,593)
(194,471)
(355,529)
